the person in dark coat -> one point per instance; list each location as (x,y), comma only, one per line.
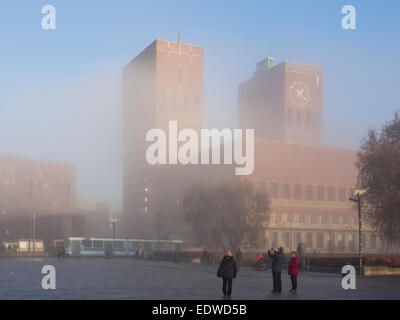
(293,271)
(300,249)
(205,257)
(227,271)
(278,259)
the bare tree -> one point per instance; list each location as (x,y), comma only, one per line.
(227,214)
(379,172)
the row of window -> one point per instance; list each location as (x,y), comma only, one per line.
(311,119)
(320,240)
(33,173)
(308,218)
(278,190)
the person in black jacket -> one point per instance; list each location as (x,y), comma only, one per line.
(278,259)
(227,271)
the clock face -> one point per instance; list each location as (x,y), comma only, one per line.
(299,94)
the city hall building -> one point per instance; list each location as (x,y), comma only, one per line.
(308,183)
(163,82)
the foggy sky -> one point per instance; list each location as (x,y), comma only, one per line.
(60,91)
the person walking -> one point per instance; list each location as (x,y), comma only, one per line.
(293,271)
(227,271)
(278,260)
(205,257)
(300,249)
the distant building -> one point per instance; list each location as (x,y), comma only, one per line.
(46,187)
(164,82)
(283,102)
(309,184)
(97,217)
(40,193)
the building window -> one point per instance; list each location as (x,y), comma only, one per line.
(297,191)
(342,194)
(284,217)
(274,190)
(351,192)
(308,120)
(320,193)
(319,219)
(289,115)
(286,237)
(320,240)
(286,190)
(262,186)
(274,239)
(298,237)
(331,194)
(296,218)
(308,218)
(330,219)
(299,117)
(309,239)
(273,216)
(373,242)
(309,192)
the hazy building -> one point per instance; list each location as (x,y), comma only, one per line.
(45,187)
(97,216)
(164,82)
(283,102)
(309,184)
(37,191)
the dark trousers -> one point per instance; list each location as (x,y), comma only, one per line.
(227,282)
(276,277)
(293,278)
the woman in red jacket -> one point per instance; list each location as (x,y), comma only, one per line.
(293,271)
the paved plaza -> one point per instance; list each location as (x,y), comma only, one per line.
(99,278)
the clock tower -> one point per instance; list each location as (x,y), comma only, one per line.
(283,102)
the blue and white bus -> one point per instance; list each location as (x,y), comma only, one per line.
(86,247)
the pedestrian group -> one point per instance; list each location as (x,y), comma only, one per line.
(229,266)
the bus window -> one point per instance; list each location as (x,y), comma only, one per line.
(118,244)
(97,243)
(87,243)
(67,243)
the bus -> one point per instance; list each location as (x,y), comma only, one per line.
(92,247)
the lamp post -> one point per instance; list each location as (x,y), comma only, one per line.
(291,233)
(357,199)
(112,225)
(216,233)
(159,215)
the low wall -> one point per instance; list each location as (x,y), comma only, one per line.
(22,254)
(381,271)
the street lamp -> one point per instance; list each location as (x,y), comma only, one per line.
(357,199)
(216,234)
(291,233)
(159,215)
(112,225)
